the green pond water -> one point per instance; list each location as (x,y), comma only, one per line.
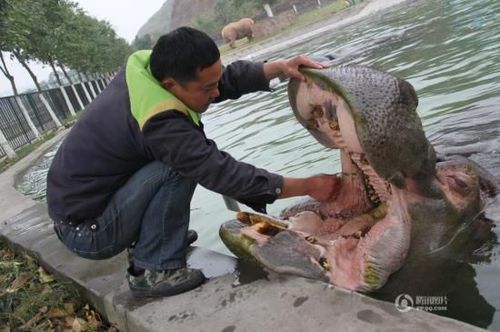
(450,52)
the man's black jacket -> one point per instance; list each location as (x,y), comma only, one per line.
(106,147)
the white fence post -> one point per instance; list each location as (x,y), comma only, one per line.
(68,102)
(87,94)
(77,97)
(51,111)
(6,146)
(27,117)
(96,93)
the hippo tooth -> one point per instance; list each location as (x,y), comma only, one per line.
(325,263)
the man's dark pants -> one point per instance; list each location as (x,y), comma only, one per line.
(151,209)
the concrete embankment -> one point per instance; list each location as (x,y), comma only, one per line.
(237,297)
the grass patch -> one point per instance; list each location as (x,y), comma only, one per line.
(33,300)
(307,18)
(318,14)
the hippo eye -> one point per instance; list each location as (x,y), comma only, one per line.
(458,185)
(457,182)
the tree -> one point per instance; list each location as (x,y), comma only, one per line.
(143,43)
(266,4)
(14,30)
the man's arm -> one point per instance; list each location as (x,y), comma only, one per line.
(320,187)
(241,77)
(172,139)
(289,68)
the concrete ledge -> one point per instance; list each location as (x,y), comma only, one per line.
(238,296)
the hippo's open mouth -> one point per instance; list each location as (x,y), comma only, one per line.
(389,180)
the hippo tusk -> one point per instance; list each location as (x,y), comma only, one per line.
(251,218)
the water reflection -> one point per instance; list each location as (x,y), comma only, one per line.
(449,51)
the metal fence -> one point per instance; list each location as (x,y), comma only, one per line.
(14,124)
(301,6)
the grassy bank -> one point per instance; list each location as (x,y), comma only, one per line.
(32,300)
(302,20)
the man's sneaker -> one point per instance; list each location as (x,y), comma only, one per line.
(166,283)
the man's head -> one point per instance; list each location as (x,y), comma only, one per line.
(187,63)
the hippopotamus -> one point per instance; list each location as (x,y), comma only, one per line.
(238,30)
(398,200)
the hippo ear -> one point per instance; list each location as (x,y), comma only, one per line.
(408,95)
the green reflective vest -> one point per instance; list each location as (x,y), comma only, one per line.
(147,96)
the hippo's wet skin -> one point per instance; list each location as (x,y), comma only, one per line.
(397,202)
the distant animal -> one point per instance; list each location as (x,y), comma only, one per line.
(238,30)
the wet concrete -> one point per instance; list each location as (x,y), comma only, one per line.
(238,296)
(261,50)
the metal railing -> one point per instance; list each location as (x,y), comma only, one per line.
(63,102)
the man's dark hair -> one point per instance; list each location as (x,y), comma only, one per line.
(181,53)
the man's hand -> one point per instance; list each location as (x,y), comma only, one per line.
(290,67)
(321,187)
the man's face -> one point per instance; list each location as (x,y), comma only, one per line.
(200,93)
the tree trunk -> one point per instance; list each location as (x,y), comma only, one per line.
(28,69)
(58,79)
(72,87)
(7,74)
(268,10)
(61,88)
(40,94)
(51,111)
(70,81)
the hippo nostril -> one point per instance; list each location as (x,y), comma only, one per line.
(317,111)
(334,124)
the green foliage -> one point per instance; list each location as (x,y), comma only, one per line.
(254,3)
(57,32)
(208,24)
(143,43)
(225,11)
